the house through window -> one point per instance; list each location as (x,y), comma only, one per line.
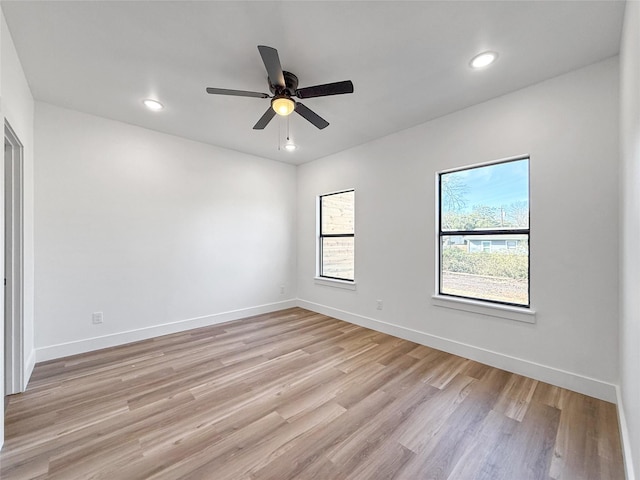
(484,232)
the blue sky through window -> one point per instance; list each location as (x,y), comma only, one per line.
(495,185)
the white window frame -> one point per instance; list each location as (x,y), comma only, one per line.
(525,314)
(331,281)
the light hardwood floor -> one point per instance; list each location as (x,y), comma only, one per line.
(298,395)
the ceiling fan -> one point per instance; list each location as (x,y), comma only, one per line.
(284,85)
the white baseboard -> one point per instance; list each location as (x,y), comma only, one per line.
(28,368)
(624,437)
(554,376)
(572,381)
(89,344)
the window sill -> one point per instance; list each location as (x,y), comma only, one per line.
(331,282)
(519,314)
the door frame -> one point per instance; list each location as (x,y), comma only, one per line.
(14,261)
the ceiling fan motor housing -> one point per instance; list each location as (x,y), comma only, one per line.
(291,85)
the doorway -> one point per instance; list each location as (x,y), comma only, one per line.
(13,263)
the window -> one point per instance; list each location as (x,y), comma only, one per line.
(337,241)
(488,207)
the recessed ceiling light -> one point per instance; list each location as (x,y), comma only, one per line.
(290,147)
(483,59)
(153,105)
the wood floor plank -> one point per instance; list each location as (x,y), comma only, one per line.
(515,397)
(483,457)
(428,421)
(246,461)
(298,395)
(386,463)
(530,450)
(311,451)
(456,430)
(382,432)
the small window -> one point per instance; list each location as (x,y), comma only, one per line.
(487,206)
(337,236)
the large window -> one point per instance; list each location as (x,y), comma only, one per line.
(336,242)
(484,232)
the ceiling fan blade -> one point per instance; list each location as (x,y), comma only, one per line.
(272,64)
(312,116)
(265,119)
(237,93)
(336,88)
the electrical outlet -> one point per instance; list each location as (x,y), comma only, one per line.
(96,318)
(281,289)
(379,304)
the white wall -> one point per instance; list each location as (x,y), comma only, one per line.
(569,127)
(17,108)
(630,228)
(2,352)
(152,229)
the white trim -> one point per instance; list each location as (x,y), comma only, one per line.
(13,309)
(555,376)
(319,238)
(334,282)
(624,437)
(436,236)
(487,163)
(28,368)
(520,314)
(562,378)
(89,344)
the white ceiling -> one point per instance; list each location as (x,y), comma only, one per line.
(408,61)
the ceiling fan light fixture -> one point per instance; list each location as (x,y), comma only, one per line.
(153,105)
(284,85)
(483,59)
(283,105)
(290,147)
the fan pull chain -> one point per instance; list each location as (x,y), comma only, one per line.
(279,134)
